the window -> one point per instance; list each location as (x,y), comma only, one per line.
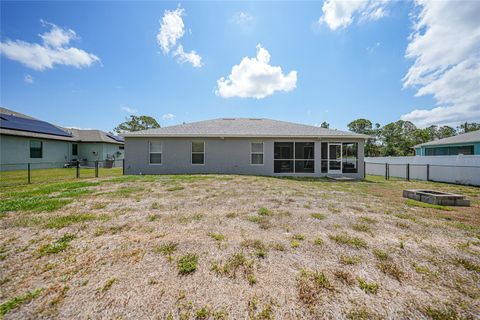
(155,152)
(36,149)
(294,157)
(121,147)
(449,151)
(256,156)
(198,152)
(74,149)
(349,157)
(324,157)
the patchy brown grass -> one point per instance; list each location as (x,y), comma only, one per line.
(236,247)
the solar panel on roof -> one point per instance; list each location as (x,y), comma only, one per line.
(8,121)
(116,138)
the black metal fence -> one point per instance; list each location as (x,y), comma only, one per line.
(466,175)
(46,172)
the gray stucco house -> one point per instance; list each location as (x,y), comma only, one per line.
(24,139)
(245,146)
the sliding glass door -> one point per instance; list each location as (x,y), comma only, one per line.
(294,157)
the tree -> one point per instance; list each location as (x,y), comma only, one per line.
(445,132)
(364,126)
(399,137)
(325,125)
(468,127)
(136,123)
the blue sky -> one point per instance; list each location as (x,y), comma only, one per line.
(338,62)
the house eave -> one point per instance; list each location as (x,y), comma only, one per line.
(358,137)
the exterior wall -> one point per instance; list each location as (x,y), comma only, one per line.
(97,151)
(110,149)
(15,153)
(90,151)
(225,156)
(476,148)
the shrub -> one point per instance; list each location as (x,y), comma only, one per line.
(391,269)
(380,254)
(310,286)
(166,249)
(57,246)
(217,236)
(15,302)
(354,242)
(264,211)
(187,263)
(368,287)
(298,237)
(319,216)
(349,260)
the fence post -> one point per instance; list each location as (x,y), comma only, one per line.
(29,173)
(408,171)
(386,171)
(364,169)
(428,172)
(78,169)
(123,166)
(96,169)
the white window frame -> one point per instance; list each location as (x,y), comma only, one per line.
(197,152)
(252,153)
(150,152)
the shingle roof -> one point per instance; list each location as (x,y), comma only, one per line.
(468,137)
(243,127)
(92,135)
(79,135)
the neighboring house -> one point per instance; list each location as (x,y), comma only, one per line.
(245,146)
(24,139)
(466,143)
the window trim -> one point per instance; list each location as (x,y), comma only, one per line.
(30,149)
(262,153)
(150,152)
(197,152)
(294,159)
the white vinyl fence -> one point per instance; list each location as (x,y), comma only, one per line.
(453,169)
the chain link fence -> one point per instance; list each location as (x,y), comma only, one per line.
(12,174)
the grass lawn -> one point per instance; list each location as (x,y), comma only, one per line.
(236,247)
(18,177)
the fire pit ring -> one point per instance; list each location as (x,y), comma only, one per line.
(436,197)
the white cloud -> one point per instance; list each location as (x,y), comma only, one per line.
(168,116)
(127,109)
(242,18)
(340,13)
(255,78)
(445,45)
(172,29)
(28,79)
(54,50)
(57,37)
(191,57)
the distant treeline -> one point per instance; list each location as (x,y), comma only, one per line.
(398,138)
